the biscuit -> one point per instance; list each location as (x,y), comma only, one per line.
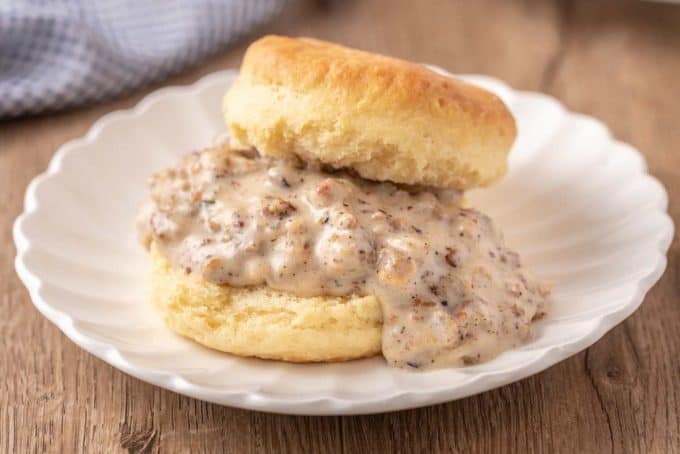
(262,322)
(385,118)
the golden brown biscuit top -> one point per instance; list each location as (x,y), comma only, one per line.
(386,118)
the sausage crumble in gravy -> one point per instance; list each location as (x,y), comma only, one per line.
(452,294)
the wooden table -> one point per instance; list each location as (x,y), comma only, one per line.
(616,60)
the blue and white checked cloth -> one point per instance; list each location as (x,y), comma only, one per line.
(61,53)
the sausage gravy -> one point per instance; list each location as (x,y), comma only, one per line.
(451,292)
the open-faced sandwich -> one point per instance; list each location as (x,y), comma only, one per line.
(332,226)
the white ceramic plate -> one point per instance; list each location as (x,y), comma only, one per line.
(577,205)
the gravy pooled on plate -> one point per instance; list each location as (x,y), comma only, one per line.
(452,294)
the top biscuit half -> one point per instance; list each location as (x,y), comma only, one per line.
(387,119)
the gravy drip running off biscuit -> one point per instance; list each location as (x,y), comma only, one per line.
(451,292)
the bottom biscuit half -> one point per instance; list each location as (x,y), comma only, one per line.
(262,322)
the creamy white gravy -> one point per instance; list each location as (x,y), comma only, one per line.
(451,292)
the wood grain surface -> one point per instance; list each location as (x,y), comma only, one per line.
(616,60)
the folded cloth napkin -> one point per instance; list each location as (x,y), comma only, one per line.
(61,53)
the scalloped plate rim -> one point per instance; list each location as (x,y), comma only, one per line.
(326,404)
